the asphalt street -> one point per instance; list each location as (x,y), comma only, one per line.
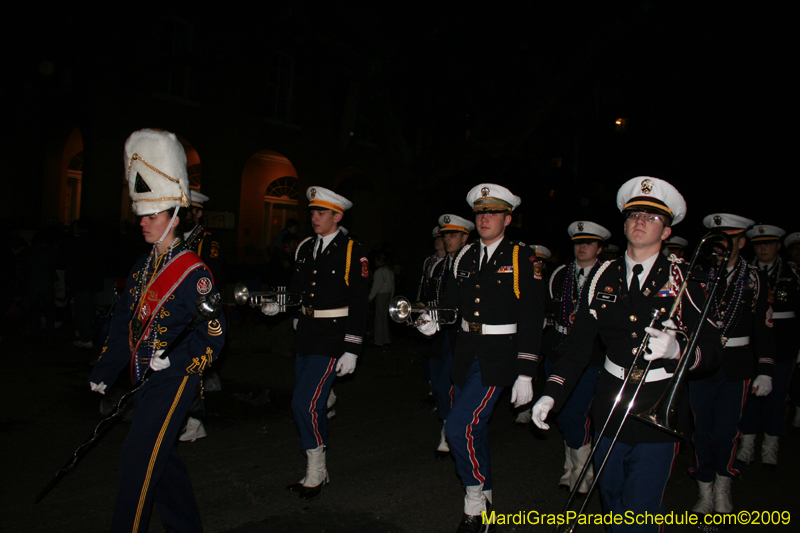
(384,477)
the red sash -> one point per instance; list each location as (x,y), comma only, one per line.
(159,290)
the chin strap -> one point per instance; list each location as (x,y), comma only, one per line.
(174,215)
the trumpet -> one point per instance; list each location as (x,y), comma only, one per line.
(400,310)
(663,415)
(282,297)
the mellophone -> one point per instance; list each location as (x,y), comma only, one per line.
(281,296)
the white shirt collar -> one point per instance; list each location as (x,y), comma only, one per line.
(647,265)
(492,247)
(325,241)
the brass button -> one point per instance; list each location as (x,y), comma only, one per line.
(634,350)
(634,335)
(477,300)
(603,306)
(313,283)
(333,272)
(498,281)
(477,286)
(663,310)
(311,295)
(477,313)
(313,271)
(633,318)
(334,320)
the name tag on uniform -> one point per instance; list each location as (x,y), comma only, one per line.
(462,274)
(505,270)
(605,297)
(300,261)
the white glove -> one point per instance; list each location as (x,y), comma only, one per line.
(270,309)
(762,385)
(522,392)
(294,323)
(540,409)
(428,327)
(663,344)
(156,363)
(346,364)
(98,387)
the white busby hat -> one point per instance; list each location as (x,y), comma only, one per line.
(450,223)
(542,252)
(792,239)
(585,231)
(730,224)
(651,195)
(197,199)
(762,233)
(492,198)
(322,198)
(155,167)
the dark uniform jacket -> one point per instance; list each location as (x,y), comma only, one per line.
(562,307)
(203,244)
(784,285)
(337,278)
(742,310)
(508,291)
(609,312)
(192,356)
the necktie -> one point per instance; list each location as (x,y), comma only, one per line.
(485,257)
(581,278)
(635,290)
(319,249)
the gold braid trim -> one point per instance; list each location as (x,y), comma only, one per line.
(347,264)
(516,271)
(183,199)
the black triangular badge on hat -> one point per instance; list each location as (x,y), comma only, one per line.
(140,185)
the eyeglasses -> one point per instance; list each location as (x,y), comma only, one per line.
(644,217)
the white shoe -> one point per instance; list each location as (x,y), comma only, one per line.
(705,500)
(769,452)
(443,449)
(723,501)
(474,500)
(194,430)
(565,483)
(747,446)
(796,420)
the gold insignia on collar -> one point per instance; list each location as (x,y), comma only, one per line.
(580,226)
(313,193)
(446,219)
(647,186)
(485,192)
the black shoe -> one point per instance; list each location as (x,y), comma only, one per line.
(565,488)
(295,487)
(440,454)
(306,493)
(474,524)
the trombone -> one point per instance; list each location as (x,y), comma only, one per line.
(401,309)
(281,296)
(663,415)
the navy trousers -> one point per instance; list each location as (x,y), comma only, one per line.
(441,384)
(313,379)
(150,469)
(467,429)
(634,479)
(717,408)
(767,413)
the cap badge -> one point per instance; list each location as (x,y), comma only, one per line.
(580,226)
(446,219)
(762,230)
(485,192)
(647,186)
(717,220)
(313,193)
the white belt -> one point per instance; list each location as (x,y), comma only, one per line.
(657,374)
(562,329)
(488,329)
(325,313)
(783,314)
(735,342)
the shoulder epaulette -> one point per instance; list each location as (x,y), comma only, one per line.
(553,278)
(460,255)
(297,250)
(596,278)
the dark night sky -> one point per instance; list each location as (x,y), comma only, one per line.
(706,92)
